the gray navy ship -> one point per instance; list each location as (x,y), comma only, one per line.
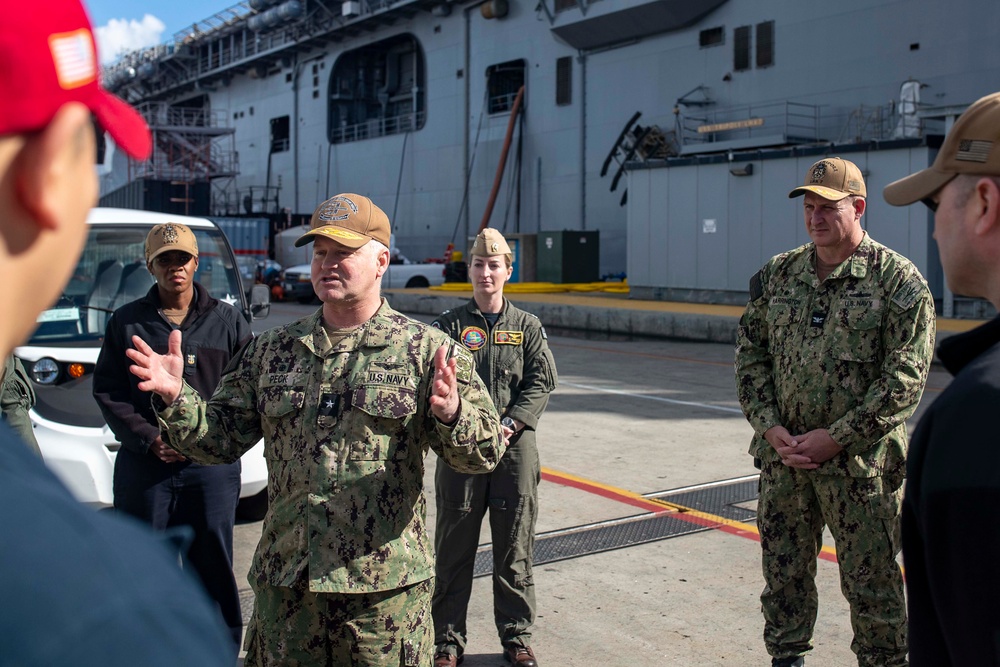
(664,133)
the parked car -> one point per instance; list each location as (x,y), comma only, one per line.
(297,283)
(75,440)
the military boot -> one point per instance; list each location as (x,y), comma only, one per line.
(794,661)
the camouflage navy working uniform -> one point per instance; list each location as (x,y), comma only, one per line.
(17,398)
(513,359)
(346,427)
(849,354)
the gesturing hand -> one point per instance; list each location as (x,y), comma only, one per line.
(161,374)
(444,400)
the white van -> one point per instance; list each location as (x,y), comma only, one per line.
(76,442)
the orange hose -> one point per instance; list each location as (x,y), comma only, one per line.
(503,159)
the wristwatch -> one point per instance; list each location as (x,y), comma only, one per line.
(509,423)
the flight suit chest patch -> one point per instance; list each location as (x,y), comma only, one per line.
(473,338)
(508,337)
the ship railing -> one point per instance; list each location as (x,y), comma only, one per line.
(502,103)
(885,122)
(251,199)
(378,127)
(163,170)
(745,125)
(224,44)
(224,162)
(215,23)
(187,164)
(161,114)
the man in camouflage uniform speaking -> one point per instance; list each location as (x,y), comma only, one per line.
(348,401)
(832,354)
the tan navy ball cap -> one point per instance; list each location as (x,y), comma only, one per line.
(971,147)
(490,243)
(833,178)
(349,219)
(170,236)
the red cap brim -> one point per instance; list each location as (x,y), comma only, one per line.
(125,125)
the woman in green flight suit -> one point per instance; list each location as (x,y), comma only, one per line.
(513,359)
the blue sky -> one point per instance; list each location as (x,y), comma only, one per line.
(125,25)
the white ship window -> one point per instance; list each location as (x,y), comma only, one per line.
(503,81)
(564,80)
(377,90)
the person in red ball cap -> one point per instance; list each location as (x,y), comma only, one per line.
(49,59)
(78,587)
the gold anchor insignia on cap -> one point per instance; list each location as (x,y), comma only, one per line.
(337,208)
(169,234)
(819,172)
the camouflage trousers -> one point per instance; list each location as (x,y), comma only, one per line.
(863,516)
(294,627)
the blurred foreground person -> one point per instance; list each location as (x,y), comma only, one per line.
(75,584)
(951,529)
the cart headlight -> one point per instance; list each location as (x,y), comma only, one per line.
(45,371)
